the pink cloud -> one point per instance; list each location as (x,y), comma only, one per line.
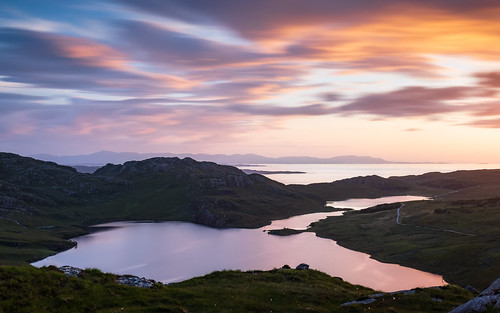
(409,101)
(490,79)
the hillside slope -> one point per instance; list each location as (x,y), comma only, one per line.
(42,204)
(24,289)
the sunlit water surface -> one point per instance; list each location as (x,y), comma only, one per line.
(176,251)
(317,173)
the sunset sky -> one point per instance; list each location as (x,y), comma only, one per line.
(397,79)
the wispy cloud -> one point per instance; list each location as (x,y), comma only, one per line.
(191,73)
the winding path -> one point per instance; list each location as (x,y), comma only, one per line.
(397,217)
(426,227)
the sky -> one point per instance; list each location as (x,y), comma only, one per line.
(404,80)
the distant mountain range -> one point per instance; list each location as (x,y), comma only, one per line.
(104,157)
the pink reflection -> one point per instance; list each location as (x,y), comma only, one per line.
(301,222)
(358,204)
(174,251)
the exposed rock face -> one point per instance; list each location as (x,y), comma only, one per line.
(489,298)
(135,281)
(129,280)
(70,271)
(204,174)
(493,289)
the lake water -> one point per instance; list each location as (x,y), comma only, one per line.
(317,173)
(301,222)
(176,251)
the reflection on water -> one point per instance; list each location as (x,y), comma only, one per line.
(358,204)
(175,251)
(301,222)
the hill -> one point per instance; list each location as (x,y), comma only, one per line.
(42,203)
(474,184)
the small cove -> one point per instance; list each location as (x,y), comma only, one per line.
(176,251)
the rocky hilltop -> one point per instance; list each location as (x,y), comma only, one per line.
(204,192)
(43,203)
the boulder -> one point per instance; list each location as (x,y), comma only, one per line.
(477,305)
(70,271)
(493,289)
(135,281)
(489,298)
(302,266)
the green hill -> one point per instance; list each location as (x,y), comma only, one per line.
(43,204)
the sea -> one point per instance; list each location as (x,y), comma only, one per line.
(318,173)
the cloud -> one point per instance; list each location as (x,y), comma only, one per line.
(173,49)
(377,36)
(56,61)
(265,18)
(269,110)
(409,101)
(491,108)
(490,79)
(486,123)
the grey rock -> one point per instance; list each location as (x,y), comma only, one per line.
(472,290)
(70,271)
(135,281)
(129,280)
(477,305)
(489,298)
(493,289)
(366,301)
(302,266)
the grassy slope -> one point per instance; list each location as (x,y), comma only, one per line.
(424,241)
(27,289)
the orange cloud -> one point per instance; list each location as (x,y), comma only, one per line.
(400,39)
(91,53)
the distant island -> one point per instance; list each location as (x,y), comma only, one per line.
(103,157)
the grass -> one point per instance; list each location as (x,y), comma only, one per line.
(28,289)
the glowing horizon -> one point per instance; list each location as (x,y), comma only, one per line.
(400,80)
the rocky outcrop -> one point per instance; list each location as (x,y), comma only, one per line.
(488,299)
(134,281)
(129,280)
(70,271)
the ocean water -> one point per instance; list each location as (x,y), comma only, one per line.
(318,173)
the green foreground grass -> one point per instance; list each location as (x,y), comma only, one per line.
(28,289)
